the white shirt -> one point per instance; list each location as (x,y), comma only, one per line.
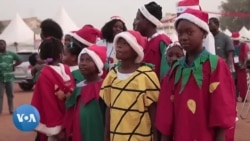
(123,76)
(209,43)
(110,48)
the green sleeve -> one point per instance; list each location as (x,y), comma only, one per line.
(16,56)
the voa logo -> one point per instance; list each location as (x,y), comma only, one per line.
(26,117)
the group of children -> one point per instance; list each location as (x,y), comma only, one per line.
(176,89)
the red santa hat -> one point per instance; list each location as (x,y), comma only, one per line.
(235,36)
(149,16)
(135,40)
(185,4)
(197,17)
(98,54)
(87,35)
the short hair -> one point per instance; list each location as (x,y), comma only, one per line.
(215,20)
(50,28)
(154,9)
(51,48)
(33,59)
(107,29)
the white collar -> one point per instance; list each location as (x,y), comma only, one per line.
(73,68)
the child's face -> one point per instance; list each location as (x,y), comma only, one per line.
(67,40)
(174,53)
(87,65)
(190,36)
(124,50)
(140,23)
(118,27)
(68,58)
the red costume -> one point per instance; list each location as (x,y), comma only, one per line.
(240,56)
(155,53)
(49,97)
(194,100)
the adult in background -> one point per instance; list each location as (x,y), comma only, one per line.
(50,28)
(146,22)
(7,65)
(223,44)
(114,26)
(240,58)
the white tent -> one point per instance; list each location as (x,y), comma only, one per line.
(244,33)
(66,23)
(228,33)
(18,31)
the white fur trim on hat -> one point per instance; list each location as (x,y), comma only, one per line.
(95,57)
(236,39)
(150,17)
(193,19)
(80,39)
(181,9)
(133,43)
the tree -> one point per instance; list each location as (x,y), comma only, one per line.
(235,23)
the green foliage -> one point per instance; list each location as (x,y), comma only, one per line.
(235,23)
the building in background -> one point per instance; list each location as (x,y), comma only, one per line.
(168,26)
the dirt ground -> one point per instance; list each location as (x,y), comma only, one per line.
(8,132)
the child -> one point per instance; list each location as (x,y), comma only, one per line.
(240,58)
(37,65)
(53,86)
(70,55)
(146,22)
(129,92)
(197,100)
(174,53)
(84,111)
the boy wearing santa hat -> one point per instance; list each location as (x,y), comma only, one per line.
(182,5)
(197,99)
(146,22)
(84,118)
(130,92)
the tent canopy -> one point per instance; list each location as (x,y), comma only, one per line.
(18,31)
(244,33)
(228,33)
(63,19)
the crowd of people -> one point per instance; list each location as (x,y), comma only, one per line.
(116,84)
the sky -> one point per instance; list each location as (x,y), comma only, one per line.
(95,12)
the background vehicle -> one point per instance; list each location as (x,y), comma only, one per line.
(22,72)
